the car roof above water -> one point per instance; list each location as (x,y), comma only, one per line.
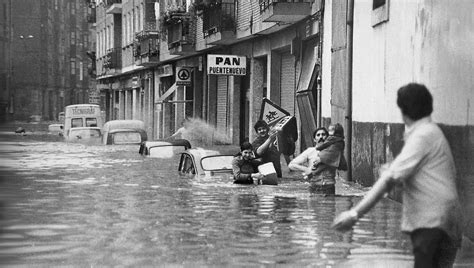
(123,124)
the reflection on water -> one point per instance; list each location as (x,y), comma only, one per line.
(76,205)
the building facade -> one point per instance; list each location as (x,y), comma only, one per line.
(371,48)
(144,45)
(49,64)
(5,60)
(322,61)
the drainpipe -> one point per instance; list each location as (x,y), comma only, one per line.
(350,37)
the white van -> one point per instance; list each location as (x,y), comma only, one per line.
(80,116)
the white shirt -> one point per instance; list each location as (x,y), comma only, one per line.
(425,167)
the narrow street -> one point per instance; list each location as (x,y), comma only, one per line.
(76,205)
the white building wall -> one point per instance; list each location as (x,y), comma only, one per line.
(424,41)
(326,61)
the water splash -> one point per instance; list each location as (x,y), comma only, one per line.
(200,133)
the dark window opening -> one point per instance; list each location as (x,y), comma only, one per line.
(377,3)
(91,122)
(76,122)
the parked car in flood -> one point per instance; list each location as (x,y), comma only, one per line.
(124,132)
(84,135)
(163,148)
(204,162)
(56,129)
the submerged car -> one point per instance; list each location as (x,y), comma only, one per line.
(124,132)
(163,148)
(84,135)
(204,162)
(56,129)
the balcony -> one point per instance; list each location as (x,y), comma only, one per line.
(180,36)
(113,6)
(289,11)
(219,22)
(146,49)
(113,58)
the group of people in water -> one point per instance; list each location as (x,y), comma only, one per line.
(424,169)
(318,164)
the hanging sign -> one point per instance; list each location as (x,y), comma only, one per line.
(226,65)
(183,76)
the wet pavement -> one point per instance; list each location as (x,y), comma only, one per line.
(66,204)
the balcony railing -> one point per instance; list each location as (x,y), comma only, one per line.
(284,10)
(113,58)
(219,18)
(180,36)
(146,49)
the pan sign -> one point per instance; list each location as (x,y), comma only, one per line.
(226,65)
(183,76)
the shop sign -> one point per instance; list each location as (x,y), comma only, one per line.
(226,65)
(94,96)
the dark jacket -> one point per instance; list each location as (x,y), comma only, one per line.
(242,169)
(270,155)
(331,152)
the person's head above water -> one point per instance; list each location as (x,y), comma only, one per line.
(320,134)
(261,127)
(246,149)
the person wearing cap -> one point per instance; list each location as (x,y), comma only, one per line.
(264,146)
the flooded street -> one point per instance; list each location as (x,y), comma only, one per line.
(77,205)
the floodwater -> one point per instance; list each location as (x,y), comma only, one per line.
(82,205)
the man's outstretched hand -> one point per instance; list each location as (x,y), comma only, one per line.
(344,221)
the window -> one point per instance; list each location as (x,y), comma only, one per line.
(377,3)
(91,122)
(73,66)
(125,30)
(130,28)
(139,17)
(76,122)
(379,11)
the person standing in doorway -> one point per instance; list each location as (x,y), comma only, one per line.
(425,169)
(264,146)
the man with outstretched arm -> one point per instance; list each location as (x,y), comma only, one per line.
(425,169)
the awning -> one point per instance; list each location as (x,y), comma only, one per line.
(168,93)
